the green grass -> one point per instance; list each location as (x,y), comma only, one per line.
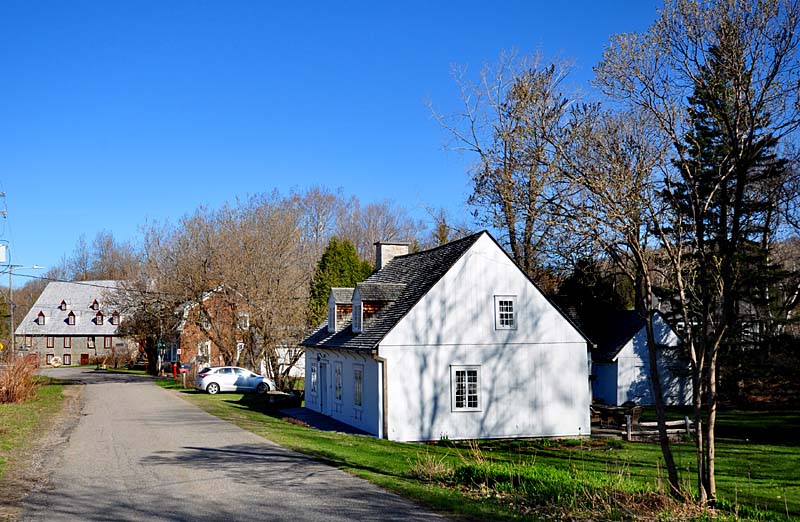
(752,478)
(19,423)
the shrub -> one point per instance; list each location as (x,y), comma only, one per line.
(17,382)
(430,468)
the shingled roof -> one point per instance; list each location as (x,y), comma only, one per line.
(402,283)
(610,331)
(79,297)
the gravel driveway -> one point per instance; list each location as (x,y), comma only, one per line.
(139,452)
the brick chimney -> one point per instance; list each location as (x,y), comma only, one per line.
(385,251)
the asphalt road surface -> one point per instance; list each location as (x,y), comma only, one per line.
(141,453)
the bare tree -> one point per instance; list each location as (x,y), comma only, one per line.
(736,61)
(511,117)
(610,199)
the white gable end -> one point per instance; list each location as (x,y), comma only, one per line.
(460,308)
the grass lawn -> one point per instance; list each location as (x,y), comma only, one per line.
(760,480)
(19,423)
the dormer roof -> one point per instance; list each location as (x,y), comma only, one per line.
(342,295)
(380,292)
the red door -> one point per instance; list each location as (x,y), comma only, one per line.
(84,359)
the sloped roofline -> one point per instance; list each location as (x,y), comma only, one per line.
(474,238)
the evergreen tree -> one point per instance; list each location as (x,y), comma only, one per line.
(339,266)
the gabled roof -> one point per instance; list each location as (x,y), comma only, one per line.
(342,295)
(79,296)
(406,279)
(611,330)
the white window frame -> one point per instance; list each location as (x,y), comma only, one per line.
(358,316)
(41,319)
(314,379)
(455,385)
(501,315)
(71,319)
(358,385)
(115,318)
(98,318)
(90,341)
(337,381)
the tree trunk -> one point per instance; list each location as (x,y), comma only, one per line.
(663,438)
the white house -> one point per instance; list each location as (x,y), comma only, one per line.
(621,361)
(454,342)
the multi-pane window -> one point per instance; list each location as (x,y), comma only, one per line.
(71,319)
(40,319)
(313,378)
(98,319)
(505,312)
(49,358)
(50,341)
(358,384)
(337,377)
(106,342)
(90,341)
(465,382)
(115,318)
(67,359)
(67,341)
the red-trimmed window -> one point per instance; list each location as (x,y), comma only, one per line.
(67,359)
(71,319)
(98,318)
(106,342)
(29,340)
(40,319)
(90,341)
(50,341)
(67,341)
(115,318)
(95,305)
(63,306)
(49,358)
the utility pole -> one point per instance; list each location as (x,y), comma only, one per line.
(11,299)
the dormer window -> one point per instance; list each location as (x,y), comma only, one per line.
(95,305)
(63,306)
(71,318)
(98,318)
(115,318)
(40,319)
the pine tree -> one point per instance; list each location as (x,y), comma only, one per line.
(339,266)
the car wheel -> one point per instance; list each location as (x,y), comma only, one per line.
(262,388)
(212,388)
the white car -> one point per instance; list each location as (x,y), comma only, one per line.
(233,379)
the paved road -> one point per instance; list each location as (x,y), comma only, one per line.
(141,453)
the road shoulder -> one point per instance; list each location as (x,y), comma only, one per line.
(28,470)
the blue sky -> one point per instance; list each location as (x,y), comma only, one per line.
(117,113)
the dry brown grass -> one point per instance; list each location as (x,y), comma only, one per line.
(16,379)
